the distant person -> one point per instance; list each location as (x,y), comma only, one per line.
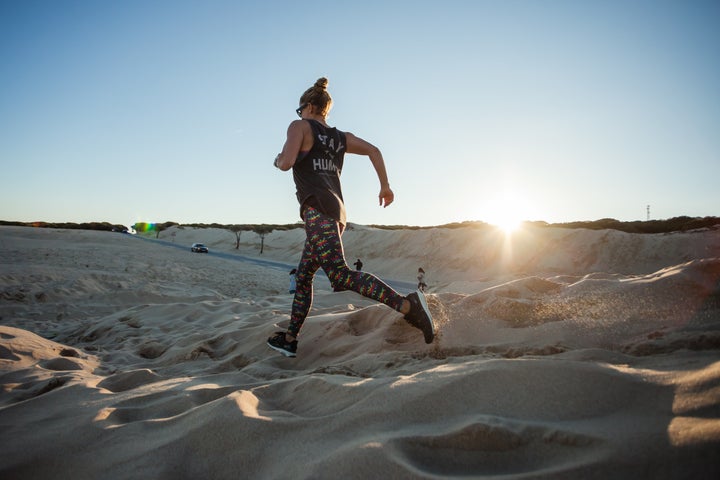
(315,152)
(358,265)
(421,280)
(293,283)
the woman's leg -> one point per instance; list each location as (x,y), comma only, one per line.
(303,288)
(323,248)
(324,234)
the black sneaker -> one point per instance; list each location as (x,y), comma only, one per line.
(419,315)
(278,343)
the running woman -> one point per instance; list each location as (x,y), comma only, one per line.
(315,152)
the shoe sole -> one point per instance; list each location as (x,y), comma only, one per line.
(281,350)
(424,305)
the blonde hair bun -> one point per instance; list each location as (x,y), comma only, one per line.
(318,96)
(321,83)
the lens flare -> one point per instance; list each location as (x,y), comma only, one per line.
(144,227)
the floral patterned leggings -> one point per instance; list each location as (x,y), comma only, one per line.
(324,249)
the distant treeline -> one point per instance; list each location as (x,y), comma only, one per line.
(257,228)
(105,226)
(676,224)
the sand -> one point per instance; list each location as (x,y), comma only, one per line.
(561,354)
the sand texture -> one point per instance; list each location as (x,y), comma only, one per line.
(561,353)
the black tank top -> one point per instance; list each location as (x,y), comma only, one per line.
(317,173)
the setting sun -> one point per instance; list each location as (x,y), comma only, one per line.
(507,212)
(509,224)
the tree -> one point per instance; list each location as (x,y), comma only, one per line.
(262,230)
(237,229)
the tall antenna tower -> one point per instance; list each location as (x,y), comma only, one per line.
(648,213)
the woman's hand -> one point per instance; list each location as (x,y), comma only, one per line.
(386,196)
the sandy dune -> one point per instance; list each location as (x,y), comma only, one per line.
(561,354)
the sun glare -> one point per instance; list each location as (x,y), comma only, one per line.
(509,224)
(507,213)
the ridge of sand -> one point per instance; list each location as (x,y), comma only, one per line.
(589,355)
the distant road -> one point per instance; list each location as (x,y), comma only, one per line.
(399,285)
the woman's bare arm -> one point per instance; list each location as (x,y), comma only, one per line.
(296,137)
(359,146)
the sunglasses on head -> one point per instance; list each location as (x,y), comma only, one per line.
(300,109)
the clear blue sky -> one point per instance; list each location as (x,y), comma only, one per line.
(155,111)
